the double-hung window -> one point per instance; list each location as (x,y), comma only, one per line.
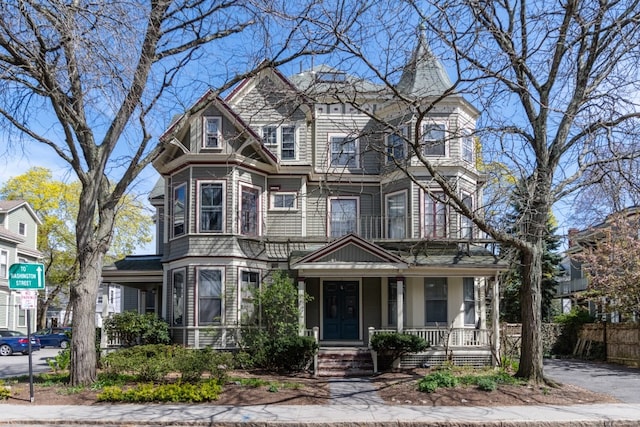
(343,216)
(433,139)
(466,225)
(177,295)
(396,150)
(4,264)
(280,140)
(435,300)
(344,151)
(249,211)
(467,146)
(22,229)
(435,216)
(179,209)
(249,285)
(209,296)
(212,132)
(469,300)
(211,207)
(397,215)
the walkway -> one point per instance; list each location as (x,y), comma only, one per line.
(353,391)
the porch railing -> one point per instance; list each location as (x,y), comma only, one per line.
(444,337)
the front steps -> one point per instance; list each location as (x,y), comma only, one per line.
(344,362)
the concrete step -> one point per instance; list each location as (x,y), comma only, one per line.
(344,362)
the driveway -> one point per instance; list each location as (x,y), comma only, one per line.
(618,381)
(18,364)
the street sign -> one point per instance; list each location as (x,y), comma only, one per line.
(26,276)
(28,299)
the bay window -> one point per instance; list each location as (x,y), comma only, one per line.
(211,207)
(249,211)
(209,296)
(433,139)
(435,216)
(179,209)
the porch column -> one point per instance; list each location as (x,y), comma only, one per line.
(301,306)
(400,303)
(495,319)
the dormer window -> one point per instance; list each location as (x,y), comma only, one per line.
(433,139)
(330,77)
(212,132)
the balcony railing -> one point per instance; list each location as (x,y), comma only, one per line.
(445,337)
(370,227)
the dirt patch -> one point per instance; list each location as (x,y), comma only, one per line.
(397,388)
(400,388)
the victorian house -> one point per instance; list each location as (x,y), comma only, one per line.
(301,174)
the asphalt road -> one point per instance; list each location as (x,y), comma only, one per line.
(18,364)
(621,382)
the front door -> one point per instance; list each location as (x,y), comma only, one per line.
(341,310)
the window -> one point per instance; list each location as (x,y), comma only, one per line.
(330,76)
(22,315)
(209,297)
(22,229)
(283,200)
(467,146)
(396,145)
(288,151)
(433,139)
(249,212)
(397,215)
(212,132)
(469,301)
(344,151)
(435,216)
(343,215)
(177,295)
(280,137)
(250,283)
(211,207)
(179,201)
(435,304)
(392,308)
(4,264)
(270,137)
(466,225)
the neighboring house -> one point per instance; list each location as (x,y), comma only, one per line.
(18,244)
(288,174)
(572,292)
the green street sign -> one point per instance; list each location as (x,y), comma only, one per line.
(26,276)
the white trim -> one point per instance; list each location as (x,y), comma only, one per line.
(445,130)
(259,207)
(356,151)
(329,212)
(388,216)
(173,234)
(205,132)
(173,272)
(465,134)
(196,303)
(272,205)
(223,184)
(403,133)
(239,285)
(277,147)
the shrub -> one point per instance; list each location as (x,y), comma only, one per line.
(291,353)
(146,362)
(435,380)
(486,384)
(61,361)
(5,391)
(571,323)
(177,392)
(392,345)
(137,329)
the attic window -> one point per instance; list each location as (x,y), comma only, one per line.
(22,229)
(330,77)
(212,132)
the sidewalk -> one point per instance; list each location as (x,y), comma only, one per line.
(614,415)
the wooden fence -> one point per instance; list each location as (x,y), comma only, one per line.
(620,340)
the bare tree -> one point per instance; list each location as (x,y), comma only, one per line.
(557,92)
(88,80)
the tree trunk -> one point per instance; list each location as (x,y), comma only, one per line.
(531,363)
(83,302)
(41,314)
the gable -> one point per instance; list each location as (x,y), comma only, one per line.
(351,253)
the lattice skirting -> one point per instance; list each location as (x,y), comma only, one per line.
(433,358)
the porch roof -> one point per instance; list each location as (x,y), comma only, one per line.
(426,258)
(134,270)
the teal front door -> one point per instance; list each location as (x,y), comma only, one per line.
(341,310)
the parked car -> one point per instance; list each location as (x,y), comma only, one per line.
(16,342)
(54,337)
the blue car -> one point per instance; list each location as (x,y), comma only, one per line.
(54,337)
(16,342)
